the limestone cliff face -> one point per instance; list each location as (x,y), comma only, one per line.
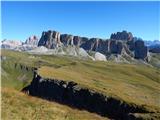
(117,42)
(72,94)
(141,51)
(66,39)
(87,44)
(50,39)
(116,46)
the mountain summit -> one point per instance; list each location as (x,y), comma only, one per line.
(120,43)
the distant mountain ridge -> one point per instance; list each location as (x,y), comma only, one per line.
(154,46)
(32,40)
(29,44)
(152,43)
(121,46)
(119,43)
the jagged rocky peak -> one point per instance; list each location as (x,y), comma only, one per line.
(50,39)
(32,40)
(120,41)
(124,35)
(140,49)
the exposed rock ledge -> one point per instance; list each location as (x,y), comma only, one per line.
(70,93)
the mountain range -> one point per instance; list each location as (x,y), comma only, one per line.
(121,46)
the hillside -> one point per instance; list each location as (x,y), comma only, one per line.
(19,106)
(155,60)
(15,103)
(134,84)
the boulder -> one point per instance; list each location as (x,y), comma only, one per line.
(100,57)
(81,52)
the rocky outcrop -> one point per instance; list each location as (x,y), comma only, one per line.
(50,39)
(77,41)
(96,44)
(24,67)
(131,45)
(124,35)
(88,44)
(72,94)
(66,39)
(101,46)
(119,41)
(115,46)
(141,51)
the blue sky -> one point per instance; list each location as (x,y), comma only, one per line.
(91,19)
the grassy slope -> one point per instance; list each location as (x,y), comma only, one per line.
(132,83)
(136,84)
(19,106)
(14,77)
(155,59)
